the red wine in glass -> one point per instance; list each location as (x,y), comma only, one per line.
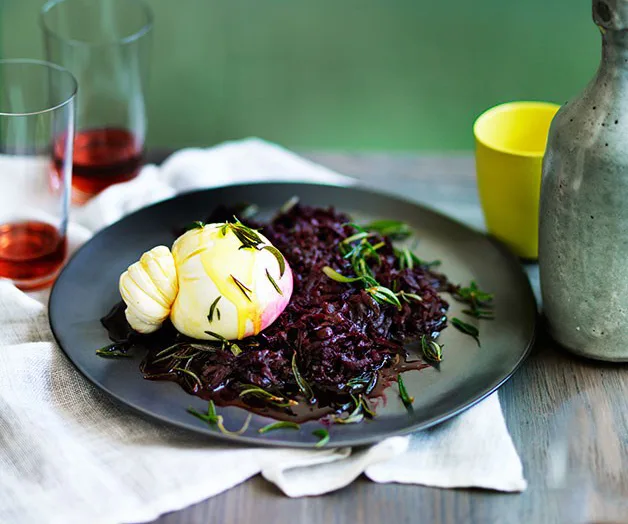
(31,253)
(102,157)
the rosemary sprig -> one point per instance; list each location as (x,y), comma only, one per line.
(245,290)
(403,393)
(383,294)
(211,418)
(480,301)
(272,281)
(467,329)
(303,385)
(395,229)
(258,392)
(283,424)
(213,309)
(432,351)
(115,350)
(226,344)
(323,437)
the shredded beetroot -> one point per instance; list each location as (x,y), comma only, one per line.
(338,331)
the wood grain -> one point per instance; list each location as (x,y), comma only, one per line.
(537,404)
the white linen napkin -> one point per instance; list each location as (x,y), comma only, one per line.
(69,454)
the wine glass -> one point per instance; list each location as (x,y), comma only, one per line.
(106,45)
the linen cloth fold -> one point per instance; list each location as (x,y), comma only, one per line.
(69,454)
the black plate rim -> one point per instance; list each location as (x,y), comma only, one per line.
(256,441)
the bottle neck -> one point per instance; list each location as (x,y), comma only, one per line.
(614,50)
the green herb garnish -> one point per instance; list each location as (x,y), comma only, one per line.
(334,275)
(394,229)
(288,205)
(194,225)
(245,290)
(467,329)
(383,294)
(280,260)
(283,424)
(354,417)
(190,374)
(211,418)
(272,281)
(258,392)
(115,350)
(323,437)
(213,309)
(226,344)
(480,301)
(304,387)
(432,351)
(366,408)
(403,393)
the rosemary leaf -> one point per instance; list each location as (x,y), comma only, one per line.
(355,226)
(218,337)
(248,210)
(432,351)
(357,236)
(283,424)
(115,350)
(259,392)
(467,329)
(205,417)
(224,430)
(169,348)
(189,373)
(272,281)
(482,314)
(288,205)
(212,309)
(408,297)
(194,225)
(334,275)
(211,409)
(245,290)
(394,229)
(353,418)
(383,294)
(403,393)
(280,259)
(366,408)
(323,437)
(304,387)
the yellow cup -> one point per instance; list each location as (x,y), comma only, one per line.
(510,142)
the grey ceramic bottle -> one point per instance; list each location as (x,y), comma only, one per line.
(583,236)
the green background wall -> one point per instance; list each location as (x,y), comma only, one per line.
(338,74)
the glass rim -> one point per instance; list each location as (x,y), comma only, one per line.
(133,37)
(49,66)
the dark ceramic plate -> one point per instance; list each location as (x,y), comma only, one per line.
(88,287)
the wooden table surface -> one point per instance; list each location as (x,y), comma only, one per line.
(533,402)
